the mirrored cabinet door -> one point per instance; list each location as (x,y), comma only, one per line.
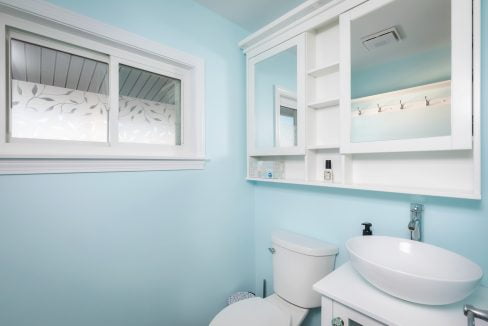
(406,83)
(276,90)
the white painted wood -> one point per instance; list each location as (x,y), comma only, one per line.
(85,33)
(317,165)
(324,103)
(113,114)
(348,315)
(299,43)
(462,73)
(344,284)
(324,146)
(422,172)
(35,166)
(324,127)
(447,170)
(461,91)
(324,70)
(327,45)
(5,77)
(327,311)
(395,189)
(314,14)
(294,166)
(477,97)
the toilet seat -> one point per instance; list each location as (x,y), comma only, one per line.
(252,312)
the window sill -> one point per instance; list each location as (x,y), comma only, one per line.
(42,166)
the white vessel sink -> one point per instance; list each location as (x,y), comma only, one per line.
(412,270)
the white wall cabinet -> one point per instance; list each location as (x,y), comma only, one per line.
(449,168)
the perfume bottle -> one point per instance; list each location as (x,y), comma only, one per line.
(328,174)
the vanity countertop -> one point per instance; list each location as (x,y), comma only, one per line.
(346,286)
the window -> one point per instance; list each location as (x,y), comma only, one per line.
(149,107)
(57,95)
(72,96)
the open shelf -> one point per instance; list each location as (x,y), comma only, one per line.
(400,190)
(323,146)
(324,70)
(324,103)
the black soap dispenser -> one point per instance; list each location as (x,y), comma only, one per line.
(367,228)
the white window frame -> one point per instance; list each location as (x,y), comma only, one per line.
(34,18)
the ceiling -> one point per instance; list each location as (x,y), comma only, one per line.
(251,14)
(38,64)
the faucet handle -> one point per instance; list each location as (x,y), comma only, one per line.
(416,207)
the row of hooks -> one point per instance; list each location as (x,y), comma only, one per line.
(402,106)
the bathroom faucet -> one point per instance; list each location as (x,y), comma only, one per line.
(415,221)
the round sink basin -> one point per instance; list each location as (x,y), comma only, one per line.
(412,270)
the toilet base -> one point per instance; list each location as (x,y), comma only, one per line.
(298,314)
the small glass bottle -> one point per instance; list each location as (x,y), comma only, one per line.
(328,174)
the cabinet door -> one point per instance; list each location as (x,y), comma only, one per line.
(406,76)
(344,316)
(276,89)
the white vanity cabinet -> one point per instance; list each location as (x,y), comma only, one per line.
(349,300)
(417,133)
(336,314)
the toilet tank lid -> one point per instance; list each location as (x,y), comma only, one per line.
(303,244)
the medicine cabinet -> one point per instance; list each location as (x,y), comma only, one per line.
(406,76)
(276,100)
(386,92)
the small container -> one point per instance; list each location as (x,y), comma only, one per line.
(328,174)
(271,170)
(367,228)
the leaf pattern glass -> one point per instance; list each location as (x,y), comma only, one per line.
(56,95)
(149,107)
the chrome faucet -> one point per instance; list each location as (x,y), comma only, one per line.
(415,221)
(473,312)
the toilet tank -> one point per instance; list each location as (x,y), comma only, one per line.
(298,263)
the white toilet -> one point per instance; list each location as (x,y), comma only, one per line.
(298,262)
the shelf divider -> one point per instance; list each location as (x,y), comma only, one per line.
(324,103)
(324,70)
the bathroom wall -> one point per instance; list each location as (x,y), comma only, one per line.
(335,215)
(143,248)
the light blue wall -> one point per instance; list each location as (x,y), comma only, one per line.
(166,248)
(155,248)
(335,215)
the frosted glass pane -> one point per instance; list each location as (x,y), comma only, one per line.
(149,107)
(56,95)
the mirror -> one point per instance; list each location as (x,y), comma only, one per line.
(275,101)
(401,71)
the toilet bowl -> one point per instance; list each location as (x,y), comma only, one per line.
(298,262)
(272,311)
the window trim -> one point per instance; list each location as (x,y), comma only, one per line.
(53,22)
